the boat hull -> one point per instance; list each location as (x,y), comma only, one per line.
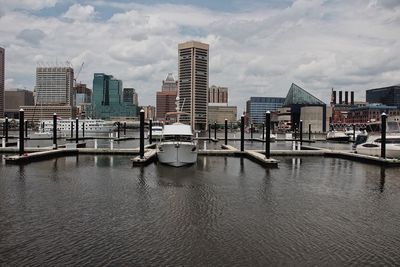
(177,154)
(392,151)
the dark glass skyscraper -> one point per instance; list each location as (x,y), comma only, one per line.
(386,95)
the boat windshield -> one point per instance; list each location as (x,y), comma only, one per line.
(391,127)
(183,138)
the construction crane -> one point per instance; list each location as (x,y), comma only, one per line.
(77,74)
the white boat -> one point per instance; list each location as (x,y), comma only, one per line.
(45,135)
(372,142)
(91,126)
(177,147)
(156,132)
(372,146)
(350,132)
(337,136)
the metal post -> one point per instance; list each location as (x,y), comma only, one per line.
(72,129)
(268,134)
(354,132)
(263,130)
(43,127)
(242,133)
(26,129)
(95,143)
(83,129)
(150,129)
(209,131)
(226,131)
(251,131)
(6,128)
(141,148)
(21,132)
(301,134)
(76,130)
(119,129)
(124,128)
(309,132)
(383,135)
(295,132)
(215,130)
(54,131)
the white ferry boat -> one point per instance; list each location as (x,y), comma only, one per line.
(177,147)
(91,126)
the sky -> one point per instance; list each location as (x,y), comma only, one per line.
(257,48)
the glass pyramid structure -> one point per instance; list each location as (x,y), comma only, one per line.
(299,96)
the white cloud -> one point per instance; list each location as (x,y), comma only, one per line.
(26,4)
(80,12)
(317,44)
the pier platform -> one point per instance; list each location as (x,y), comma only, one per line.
(148,157)
(34,156)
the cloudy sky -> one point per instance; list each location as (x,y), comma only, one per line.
(257,48)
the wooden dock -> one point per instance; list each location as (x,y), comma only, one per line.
(35,156)
(148,157)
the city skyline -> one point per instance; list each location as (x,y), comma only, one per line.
(257,48)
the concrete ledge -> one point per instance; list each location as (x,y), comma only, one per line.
(260,158)
(224,152)
(148,157)
(30,157)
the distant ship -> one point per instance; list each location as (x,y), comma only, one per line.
(64,126)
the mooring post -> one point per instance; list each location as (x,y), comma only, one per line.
(54,131)
(43,127)
(83,129)
(72,129)
(354,132)
(268,134)
(118,129)
(242,133)
(263,129)
(150,129)
(215,130)
(26,129)
(295,132)
(141,148)
(76,130)
(301,134)
(21,132)
(6,128)
(226,131)
(95,143)
(124,128)
(309,132)
(251,131)
(383,135)
(209,132)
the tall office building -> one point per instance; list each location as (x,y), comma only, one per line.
(54,85)
(130,96)
(165,100)
(217,94)
(193,83)
(107,99)
(2,78)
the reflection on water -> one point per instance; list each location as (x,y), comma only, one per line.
(100,210)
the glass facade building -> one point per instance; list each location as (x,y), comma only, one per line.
(387,95)
(108,100)
(256,107)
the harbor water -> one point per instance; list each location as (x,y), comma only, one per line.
(222,211)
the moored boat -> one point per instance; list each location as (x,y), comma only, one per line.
(337,136)
(177,147)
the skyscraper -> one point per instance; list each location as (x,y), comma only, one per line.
(130,96)
(193,83)
(165,99)
(54,85)
(2,78)
(108,99)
